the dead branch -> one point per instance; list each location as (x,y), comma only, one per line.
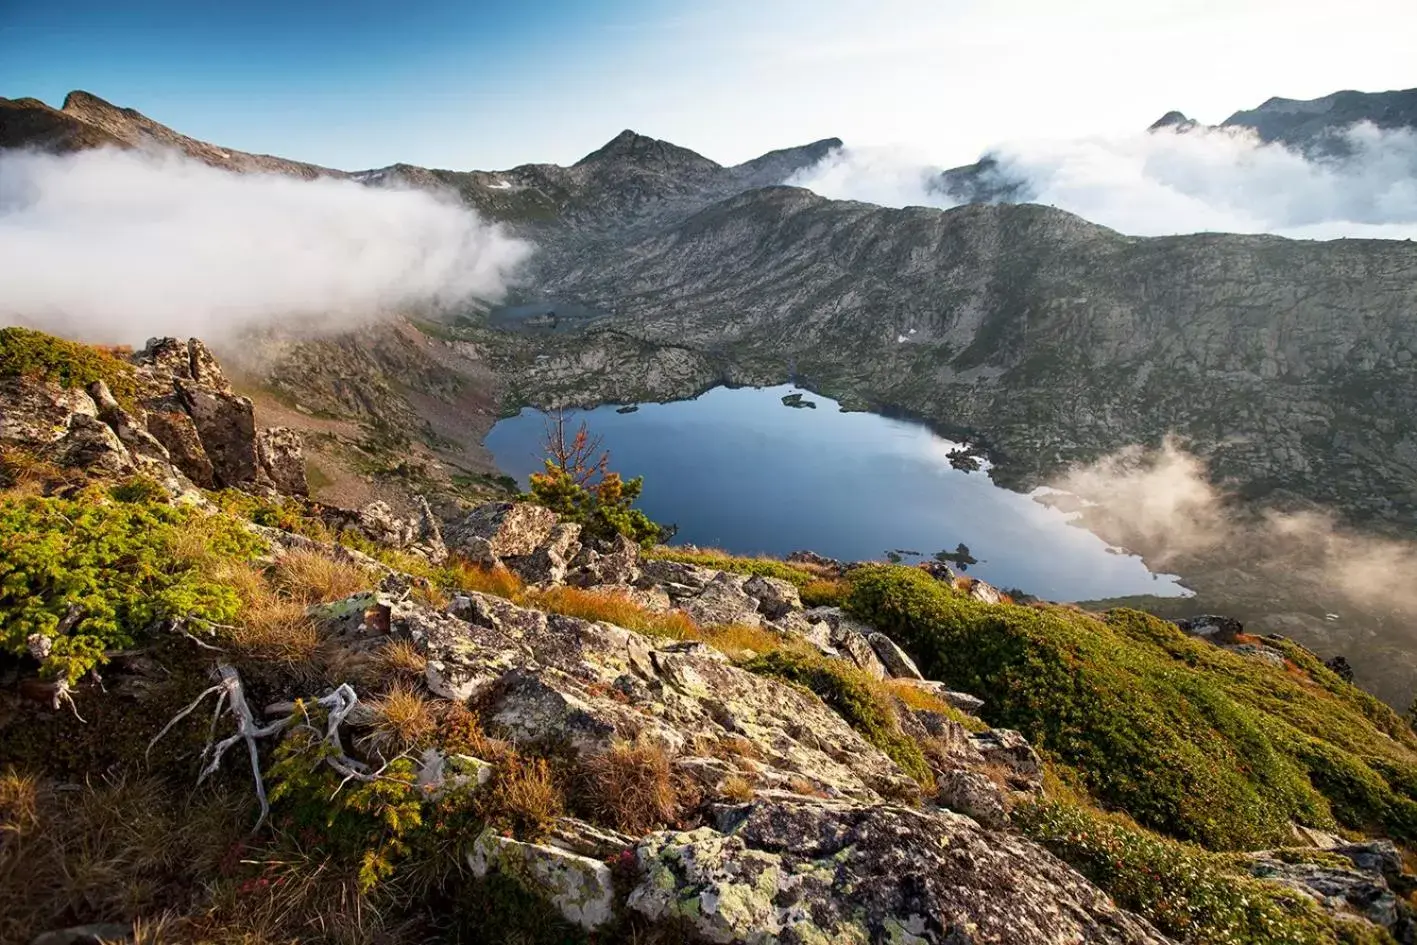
(580,457)
(231,700)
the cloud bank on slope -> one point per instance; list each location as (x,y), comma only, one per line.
(117,246)
(1162,504)
(1169,182)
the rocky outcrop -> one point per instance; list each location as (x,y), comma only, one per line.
(580,888)
(182,424)
(811,871)
(1357,887)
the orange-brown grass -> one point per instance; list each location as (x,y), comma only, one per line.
(315,578)
(914,697)
(730,748)
(739,641)
(736,788)
(616,608)
(401,659)
(523,797)
(401,719)
(631,787)
(460,732)
(466,576)
(798,785)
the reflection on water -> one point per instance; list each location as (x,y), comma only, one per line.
(738,469)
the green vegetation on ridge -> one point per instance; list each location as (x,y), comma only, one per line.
(1186,737)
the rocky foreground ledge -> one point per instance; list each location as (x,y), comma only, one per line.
(496,714)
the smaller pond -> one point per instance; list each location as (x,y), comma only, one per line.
(739,469)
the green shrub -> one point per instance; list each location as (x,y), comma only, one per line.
(105,572)
(1186,737)
(28,353)
(1186,892)
(854,696)
(603,510)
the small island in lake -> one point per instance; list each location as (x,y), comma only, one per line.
(795,400)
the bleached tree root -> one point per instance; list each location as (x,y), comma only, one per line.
(231,700)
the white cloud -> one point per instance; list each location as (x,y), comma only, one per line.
(116,246)
(1169,182)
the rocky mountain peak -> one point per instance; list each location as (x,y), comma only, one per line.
(634,148)
(1173,119)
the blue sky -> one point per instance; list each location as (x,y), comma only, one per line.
(448,84)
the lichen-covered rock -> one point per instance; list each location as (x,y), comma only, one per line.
(851,639)
(281,457)
(613,562)
(503,529)
(35,414)
(675,574)
(972,793)
(586,685)
(580,888)
(722,602)
(809,871)
(550,560)
(175,430)
(226,424)
(1337,890)
(811,557)
(439,774)
(775,597)
(1010,749)
(896,661)
(91,445)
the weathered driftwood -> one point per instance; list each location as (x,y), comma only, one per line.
(231,700)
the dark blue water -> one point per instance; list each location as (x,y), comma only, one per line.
(736,469)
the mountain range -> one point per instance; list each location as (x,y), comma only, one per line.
(1289,366)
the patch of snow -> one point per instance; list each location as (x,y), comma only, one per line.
(500,185)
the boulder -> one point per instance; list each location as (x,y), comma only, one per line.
(1339,891)
(35,414)
(91,445)
(543,678)
(939,571)
(281,457)
(984,591)
(722,602)
(175,430)
(226,425)
(801,870)
(1005,747)
(960,700)
(612,562)
(896,661)
(1218,630)
(812,558)
(548,563)
(503,529)
(775,597)
(674,574)
(973,794)
(580,888)
(851,639)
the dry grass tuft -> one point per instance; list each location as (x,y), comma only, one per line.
(314,578)
(401,719)
(460,732)
(825,592)
(737,789)
(523,797)
(466,576)
(631,787)
(800,785)
(401,659)
(616,608)
(741,642)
